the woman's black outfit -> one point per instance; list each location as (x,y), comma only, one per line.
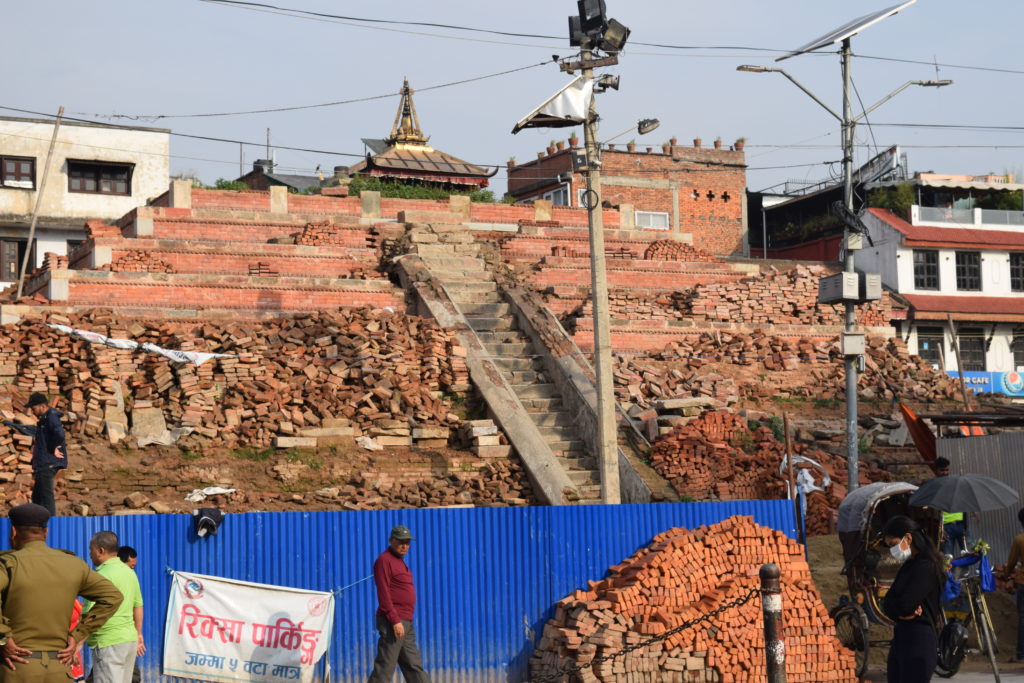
(914,650)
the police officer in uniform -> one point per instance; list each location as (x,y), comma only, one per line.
(38,585)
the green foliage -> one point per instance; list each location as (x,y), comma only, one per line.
(310,460)
(863,445)
(409,191)
(190,455)
(253,454)
(778,428)
(815,226)
(686,499)
(1000,201)
(224,184)
(897,198)
(508,199)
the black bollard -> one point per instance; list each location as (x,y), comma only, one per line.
(771,606)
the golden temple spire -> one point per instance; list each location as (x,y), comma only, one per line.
(406,129)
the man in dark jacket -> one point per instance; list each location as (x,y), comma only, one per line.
(49,449)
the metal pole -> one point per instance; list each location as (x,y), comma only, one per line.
(39,203)
(771,606)
(608,446)
(792,473)
(852,438)
(959,365)
(241,161)
(764,232)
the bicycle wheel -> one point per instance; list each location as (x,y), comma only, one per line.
(852,631)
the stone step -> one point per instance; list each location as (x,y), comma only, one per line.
(452,262)
(566,447)
(535,390)
(589,493)
(461,297)
(484,324)
(540,404)
(525,377)
(551,418)
(578,461)
(584,477)
(470,287)
(558,433)
(514,364)
(500,337)
(509,349)
(461,274)
(443,252)
(484,310)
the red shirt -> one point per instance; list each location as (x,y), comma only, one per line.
(396,594)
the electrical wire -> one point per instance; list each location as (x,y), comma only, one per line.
(157,117)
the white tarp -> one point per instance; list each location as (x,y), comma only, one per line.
(225,630)
(197,357)
(567,107)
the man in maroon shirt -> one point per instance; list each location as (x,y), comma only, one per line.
(396,596)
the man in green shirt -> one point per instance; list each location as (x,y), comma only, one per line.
(116,644)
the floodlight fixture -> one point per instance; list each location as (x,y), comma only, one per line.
(645,126)
(576,35)
(592,15)
(606,81)
(615,36)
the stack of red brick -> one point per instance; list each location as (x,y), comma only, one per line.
(139,261)
(324,234)
(682,575)
(95,227)
(779,298)
(260,269)
(718,457)
(670,250)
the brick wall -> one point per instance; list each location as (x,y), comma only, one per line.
(320,266)
(230,199)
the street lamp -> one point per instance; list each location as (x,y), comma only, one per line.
(643,127)
(853,358)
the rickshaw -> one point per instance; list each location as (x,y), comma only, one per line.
(870,571)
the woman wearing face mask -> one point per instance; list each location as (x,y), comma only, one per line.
(913,601)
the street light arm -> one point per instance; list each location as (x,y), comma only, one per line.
(810,94)
(897,91)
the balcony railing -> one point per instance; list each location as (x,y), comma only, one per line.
(965,217)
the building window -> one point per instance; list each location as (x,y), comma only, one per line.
(926,269)
(972,348)
(1017,347)
(968,270)
(654,220)
(1017,272)
(18,172)
(931,346)
(559,197)
(99,177)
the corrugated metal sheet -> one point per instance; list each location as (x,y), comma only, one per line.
(486,577)
(1001,457)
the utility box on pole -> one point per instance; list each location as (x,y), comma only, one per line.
(838,288)
(870,286)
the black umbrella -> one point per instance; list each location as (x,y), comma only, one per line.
(964,493)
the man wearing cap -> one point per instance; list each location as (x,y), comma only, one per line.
(396,597)
(49,449)
(39,585)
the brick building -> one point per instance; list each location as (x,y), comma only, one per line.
(694,190)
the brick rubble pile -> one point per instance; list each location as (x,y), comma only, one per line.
(671,250)
(680,576)
(775,297)
(323,234)
(360,366)
(718,457)
(139,261)
(687,368)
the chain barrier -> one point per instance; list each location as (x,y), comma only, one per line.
(742,600)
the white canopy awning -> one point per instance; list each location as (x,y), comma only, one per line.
(567,107)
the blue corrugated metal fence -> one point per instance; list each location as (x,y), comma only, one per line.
(486,577)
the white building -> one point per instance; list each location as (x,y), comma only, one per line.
(955,261)
(97,171)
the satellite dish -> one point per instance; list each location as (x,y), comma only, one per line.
(847,30)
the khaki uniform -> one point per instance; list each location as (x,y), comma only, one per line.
(38,585)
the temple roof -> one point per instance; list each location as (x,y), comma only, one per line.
(408,156)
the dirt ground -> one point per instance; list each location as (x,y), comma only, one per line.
(826,560)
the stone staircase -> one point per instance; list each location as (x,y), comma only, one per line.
(473,289)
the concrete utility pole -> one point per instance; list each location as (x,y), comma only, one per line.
(851,362)
(607,428)
(39,203)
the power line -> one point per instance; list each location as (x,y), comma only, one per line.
(156,117)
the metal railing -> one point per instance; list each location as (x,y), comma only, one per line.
(934,214)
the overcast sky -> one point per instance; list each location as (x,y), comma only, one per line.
(192,57)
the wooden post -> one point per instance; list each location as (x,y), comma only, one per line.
(792,473)
(39,201)
(959,365)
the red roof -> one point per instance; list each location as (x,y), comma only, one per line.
(930,236)
(981,308)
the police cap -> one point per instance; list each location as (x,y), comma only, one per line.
(29,514)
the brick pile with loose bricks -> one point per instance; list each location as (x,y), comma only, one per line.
(681,575)
(139,261)
(721,456)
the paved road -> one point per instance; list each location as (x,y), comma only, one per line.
(1015,676)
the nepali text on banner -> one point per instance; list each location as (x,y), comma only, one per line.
(225,630)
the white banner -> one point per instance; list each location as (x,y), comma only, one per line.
(225,630)
(197,357)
